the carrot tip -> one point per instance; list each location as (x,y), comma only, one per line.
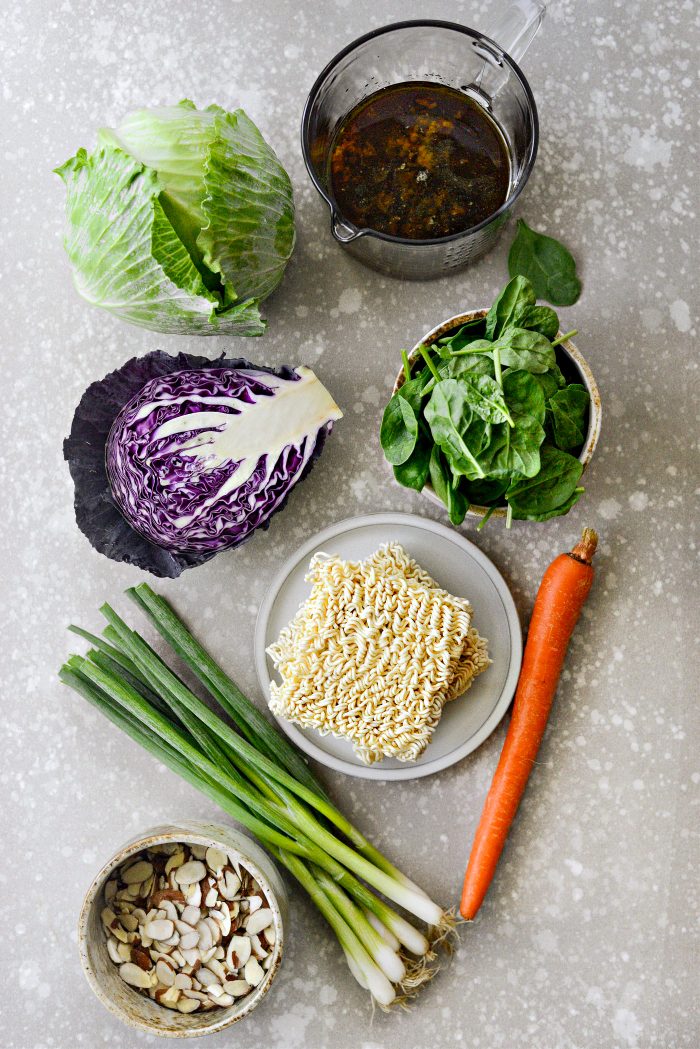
(586,547)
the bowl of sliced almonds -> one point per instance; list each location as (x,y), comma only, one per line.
(182,931)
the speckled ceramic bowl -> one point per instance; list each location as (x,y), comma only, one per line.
(573,362)
(102,974)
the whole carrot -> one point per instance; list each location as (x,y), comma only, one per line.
(560,598)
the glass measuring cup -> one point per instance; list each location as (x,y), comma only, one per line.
(443,53)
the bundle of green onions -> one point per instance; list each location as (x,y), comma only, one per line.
(256,776)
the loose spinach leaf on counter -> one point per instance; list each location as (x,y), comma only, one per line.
(516,295)
(566,415)
(447,492)
(399,430)
(546,263)
(549,492)
(414,472)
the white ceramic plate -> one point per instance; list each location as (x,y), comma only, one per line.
(458,566)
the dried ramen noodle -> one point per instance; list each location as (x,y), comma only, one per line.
(374,654)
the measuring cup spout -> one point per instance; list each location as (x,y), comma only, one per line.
(517,27)
(343,232)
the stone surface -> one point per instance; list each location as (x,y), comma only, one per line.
(585,939)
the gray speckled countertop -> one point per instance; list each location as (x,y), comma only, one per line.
(585,941)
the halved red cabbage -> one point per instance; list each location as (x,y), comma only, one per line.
(176,458)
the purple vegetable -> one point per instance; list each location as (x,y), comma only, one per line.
(177,458)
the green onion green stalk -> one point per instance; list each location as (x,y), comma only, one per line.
(254,774)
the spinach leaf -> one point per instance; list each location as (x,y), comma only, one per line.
(513,450)
(567,414)
(484,493)
(449,415)
(486,398)
(549,383)
(537,318)
(449,494)
(399,430)
(523,394)
(517,294)
(521,348)
(549,490)
(558,511)
(474,363)
(473,329)
(414,472)
(412,390)
(546,263)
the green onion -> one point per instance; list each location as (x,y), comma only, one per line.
(258,779)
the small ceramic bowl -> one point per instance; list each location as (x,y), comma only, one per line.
(572,364)
(129,1004)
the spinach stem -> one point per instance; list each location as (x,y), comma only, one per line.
(563,338)
(509,516)
(485,518)
(406,365)
(429,361)
(497,366)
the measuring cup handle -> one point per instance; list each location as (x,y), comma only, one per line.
(517,27)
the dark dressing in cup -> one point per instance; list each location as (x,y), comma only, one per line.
(418,160)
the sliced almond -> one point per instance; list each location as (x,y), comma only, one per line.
(141,957)
(237,988)
(138,872)
(208,955)
(187,1005)
(124,952)
(198,851)
(175,861)
(165,972)
(258,950)
(190,872)
(271,935)
(229,884)
(268,962)
(254,903)
(216,859)
(193,893)
(191,955)
(159,929)
(222,917)
(206,940)
(134,975)
(189,940)
(217,968)
(183,982)
(129,922)
(207,978)
(253,972)
(190,915)
(238,952)
(113,950)
(259,921)
(170,909)
(211,896)
(171,895)
(167,996)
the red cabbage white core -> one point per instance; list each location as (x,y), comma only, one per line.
(198,459)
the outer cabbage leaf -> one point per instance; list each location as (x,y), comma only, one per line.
(127,257)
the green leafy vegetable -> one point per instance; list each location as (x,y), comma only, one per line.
(399,430)
(516,295)
(493,418)
(182,220)
(414,472)
(449,493)
(550,490)
(520,348)
(546,263)
(567,416)
(449,415)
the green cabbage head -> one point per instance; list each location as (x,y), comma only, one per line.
(181,220)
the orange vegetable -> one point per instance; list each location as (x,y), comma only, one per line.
(561,596)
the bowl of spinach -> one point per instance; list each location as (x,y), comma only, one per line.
(495,413)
